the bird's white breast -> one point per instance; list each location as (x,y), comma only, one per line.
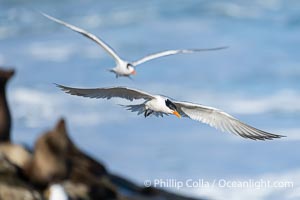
(158,104)
(121,68)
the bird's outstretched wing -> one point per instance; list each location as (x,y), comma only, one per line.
(107,93)
(96,39)
(172,52)
(222,121)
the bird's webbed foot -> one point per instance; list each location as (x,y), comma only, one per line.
(148,112)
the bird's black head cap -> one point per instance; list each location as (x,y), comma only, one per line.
(170,105)
(129,65)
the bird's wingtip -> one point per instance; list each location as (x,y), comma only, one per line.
(281,136)
(50,17)
(57,85)
(272,137)
(44,14)
(60,86)
(220,48)
(224,47)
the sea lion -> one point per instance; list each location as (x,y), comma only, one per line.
(49,162)
(16,154)
(56,159)
(84,170)
(5,117)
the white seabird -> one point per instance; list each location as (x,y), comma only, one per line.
(160,105)
(123,67)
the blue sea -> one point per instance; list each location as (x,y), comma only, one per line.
(257,80)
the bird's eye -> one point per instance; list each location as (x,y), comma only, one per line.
(128,65)
(170,105)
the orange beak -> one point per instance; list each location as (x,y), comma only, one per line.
(133,72)
(177,114)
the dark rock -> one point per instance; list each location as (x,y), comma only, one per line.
(12,184)
(16,154)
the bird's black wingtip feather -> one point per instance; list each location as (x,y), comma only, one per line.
(272,137)
(222,47)
(226,47)
(265,137)
(58,85)
(63,88)
(281,136)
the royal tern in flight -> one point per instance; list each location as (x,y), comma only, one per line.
(159,105)
(125,68)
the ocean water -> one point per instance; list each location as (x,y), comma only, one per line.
(257,79)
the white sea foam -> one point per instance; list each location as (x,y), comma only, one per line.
(286,101)
(59,52)
(270,4)
(34,106)
(245,10)
(52,52)
(236,10)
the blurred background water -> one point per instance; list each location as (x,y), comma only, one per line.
(257,80)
